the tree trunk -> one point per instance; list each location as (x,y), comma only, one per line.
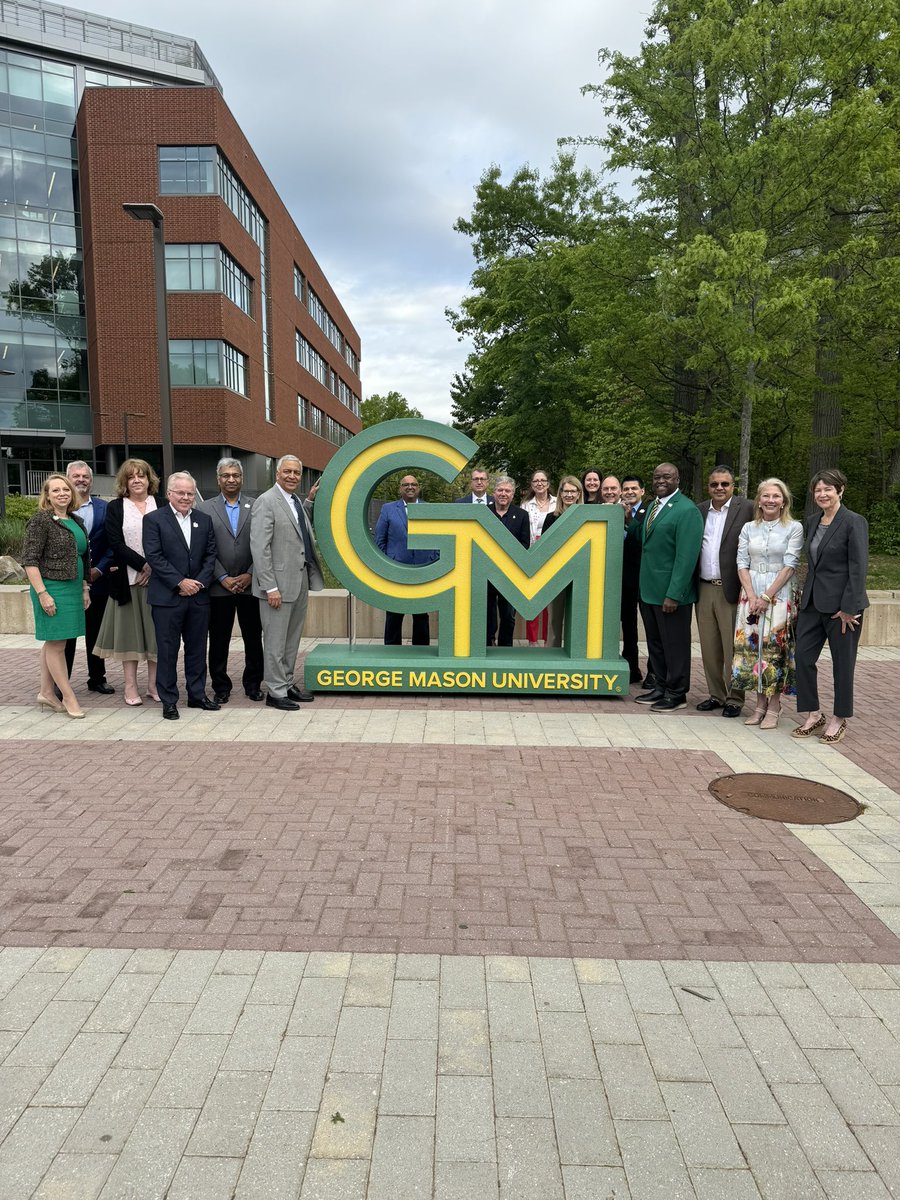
(746,428)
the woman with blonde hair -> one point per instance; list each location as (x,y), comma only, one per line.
(568,494)
(768,555)
(127,632)
(57,562)
(539,504)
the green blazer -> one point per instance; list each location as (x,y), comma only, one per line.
(671,548)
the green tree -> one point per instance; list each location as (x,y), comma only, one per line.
(390,407)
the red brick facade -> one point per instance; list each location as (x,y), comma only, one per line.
(119,131)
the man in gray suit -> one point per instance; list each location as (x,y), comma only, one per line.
(285,569)
(718,589)
(230,594)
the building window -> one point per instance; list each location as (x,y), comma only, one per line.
(197,362)
(236,283)
(207,268)
(303,412)
(235,369)
(317,417)
(351,357)
(311,360)
(298,283)
(193,268)
(322,318)
(187,170)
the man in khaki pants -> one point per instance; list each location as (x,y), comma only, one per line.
(718,589)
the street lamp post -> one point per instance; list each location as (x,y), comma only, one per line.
(149,212)
(125,417)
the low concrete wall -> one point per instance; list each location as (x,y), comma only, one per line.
(328,614)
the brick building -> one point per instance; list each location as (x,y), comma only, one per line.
(263,358)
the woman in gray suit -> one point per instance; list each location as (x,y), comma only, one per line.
(832,604)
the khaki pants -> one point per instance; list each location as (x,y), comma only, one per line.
(715,621)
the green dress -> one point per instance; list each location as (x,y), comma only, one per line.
(68,594)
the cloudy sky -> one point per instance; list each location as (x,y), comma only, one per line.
(376,118)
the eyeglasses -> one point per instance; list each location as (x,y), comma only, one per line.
(184,495)
(727,484)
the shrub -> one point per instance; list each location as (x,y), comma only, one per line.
(12,536)
(21,507)
(884,527)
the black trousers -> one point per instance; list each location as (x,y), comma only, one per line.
(502,615)
(629,618)
(186,620)
(669,646)
(393,629)
(222,611)
(93,615)
(814,629)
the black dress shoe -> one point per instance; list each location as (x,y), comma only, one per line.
(732,710)
(281,702)
(101,686)
(255,694)
(669,704)
(295,693)
(650,697)
(709,705)
(635,677)
(170,712)
(205,703)
(222,697)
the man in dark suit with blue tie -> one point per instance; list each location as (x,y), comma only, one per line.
(180,548)
(92,511)
(231,594)
(391,532)
(479,492)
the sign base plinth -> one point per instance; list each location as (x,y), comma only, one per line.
(500,670)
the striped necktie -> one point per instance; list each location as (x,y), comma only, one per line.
(652,514)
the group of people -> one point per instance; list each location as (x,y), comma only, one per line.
(731,559)
(139,578)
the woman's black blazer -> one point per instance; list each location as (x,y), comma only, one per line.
(836,581)
(122,554)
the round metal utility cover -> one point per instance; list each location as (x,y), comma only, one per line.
(785,798)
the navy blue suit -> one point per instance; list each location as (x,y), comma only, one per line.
(391,531)
(101,560)
(500,613)
(177,617)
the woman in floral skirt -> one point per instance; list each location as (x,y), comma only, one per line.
(768,556)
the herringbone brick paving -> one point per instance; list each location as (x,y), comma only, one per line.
(557,851)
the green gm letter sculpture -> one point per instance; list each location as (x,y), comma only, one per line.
(580,555)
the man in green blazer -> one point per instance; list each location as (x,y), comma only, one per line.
(671,535)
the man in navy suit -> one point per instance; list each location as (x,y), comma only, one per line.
(500,612)
(180,548)
(479,492)
(231,593)
(391,539)
(92,511)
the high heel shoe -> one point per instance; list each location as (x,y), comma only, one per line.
(757,718)
(832,739)
(810,730)
(153,696)
(76,715)
(137,700)
(770,720)
(49,702)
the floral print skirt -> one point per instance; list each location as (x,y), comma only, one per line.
(764,651)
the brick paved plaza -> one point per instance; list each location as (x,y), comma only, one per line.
(406,947)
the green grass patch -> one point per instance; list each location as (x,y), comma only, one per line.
(884,572)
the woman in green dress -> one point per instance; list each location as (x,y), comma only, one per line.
(57,562)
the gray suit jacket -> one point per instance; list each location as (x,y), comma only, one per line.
(232,553)
(836,581)
(740,511)
(276,546)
